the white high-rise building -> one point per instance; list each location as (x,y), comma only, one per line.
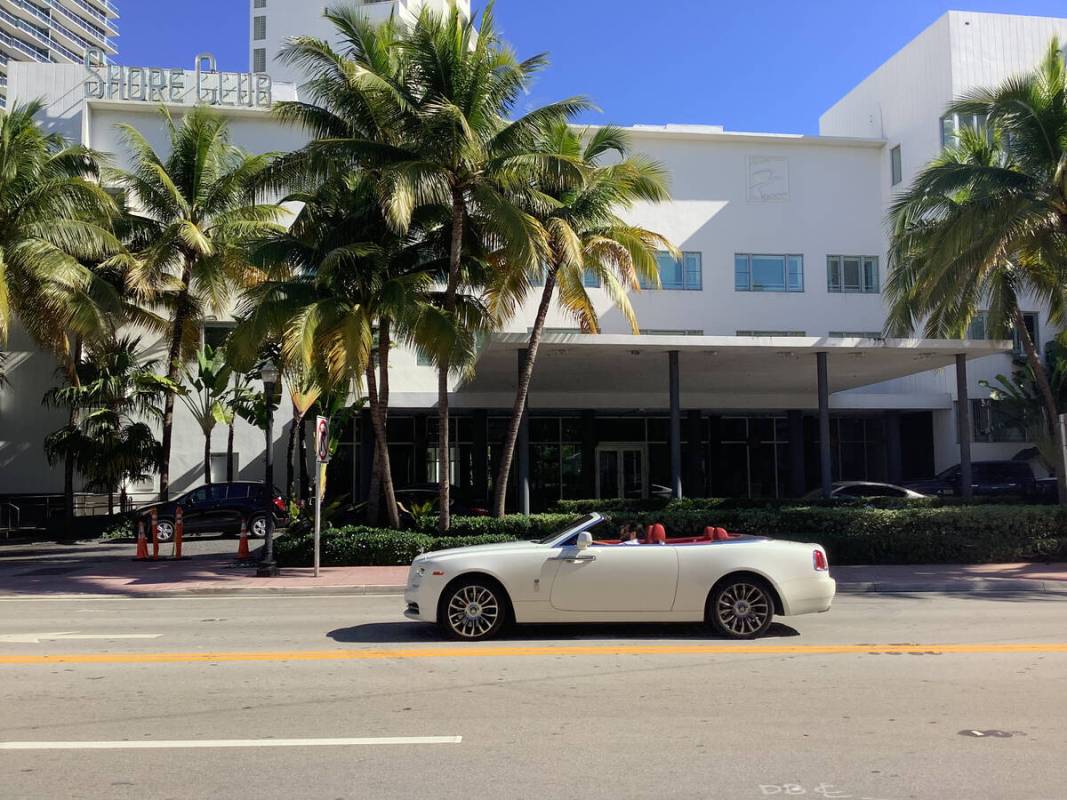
(58,31)
(272,22)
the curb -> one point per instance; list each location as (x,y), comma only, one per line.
(996,586)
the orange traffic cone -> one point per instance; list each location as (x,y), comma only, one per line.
(179,526)
(242,548)
(155,535)
(142,543)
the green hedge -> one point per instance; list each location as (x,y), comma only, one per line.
(616,507)
(953,534)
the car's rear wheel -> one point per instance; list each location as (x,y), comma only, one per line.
(473,610)
(741,608)
(257,528)
(164,530)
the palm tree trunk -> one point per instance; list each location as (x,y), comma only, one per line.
(1048,401)
(383,469)
(290,468)
(72,421)
(374,492)
(207,455)
(302,458)
(388,489)
(501,490)
(444,477)
(173,365)
(229,454)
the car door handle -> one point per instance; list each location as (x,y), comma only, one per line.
(578,559)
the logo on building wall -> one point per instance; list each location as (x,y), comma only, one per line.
(205,85)
(768,179)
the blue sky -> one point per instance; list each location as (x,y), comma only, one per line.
(762,65)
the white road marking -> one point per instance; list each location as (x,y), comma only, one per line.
(37,638)
(211,744)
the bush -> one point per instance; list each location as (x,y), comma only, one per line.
(517,526)
(353,546)
(864,535)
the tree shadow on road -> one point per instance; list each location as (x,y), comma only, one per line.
(413,633)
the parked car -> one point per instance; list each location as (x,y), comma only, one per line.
(855,490)
(988,479)
(218,508)
(583,573)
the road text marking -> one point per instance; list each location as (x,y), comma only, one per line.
(213,744)
(474,651)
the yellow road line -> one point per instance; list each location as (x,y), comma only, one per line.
(475,651)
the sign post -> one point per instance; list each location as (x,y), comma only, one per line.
(322,458)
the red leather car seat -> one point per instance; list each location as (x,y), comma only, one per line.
(657,534)
(709,533)
(721,535)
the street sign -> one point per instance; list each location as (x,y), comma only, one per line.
(322,439)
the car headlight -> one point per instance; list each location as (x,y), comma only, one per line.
(420,571)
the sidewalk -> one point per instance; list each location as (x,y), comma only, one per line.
(117,574)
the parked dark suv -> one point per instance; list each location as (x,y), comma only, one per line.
(988,479)
(218,508)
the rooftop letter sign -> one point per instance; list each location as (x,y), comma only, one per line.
(204,86)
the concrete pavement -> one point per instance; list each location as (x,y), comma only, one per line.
(593,712)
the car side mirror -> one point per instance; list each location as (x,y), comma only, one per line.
(585,538)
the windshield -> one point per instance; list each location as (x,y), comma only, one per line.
(571,526)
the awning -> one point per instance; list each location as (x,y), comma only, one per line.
(729,372)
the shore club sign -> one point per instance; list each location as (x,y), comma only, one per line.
(204,86)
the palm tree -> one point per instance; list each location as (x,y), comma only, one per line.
(208,400)
(117,392)
(586,237)
(304,392)
(986,223)
(198,209)
(426,112)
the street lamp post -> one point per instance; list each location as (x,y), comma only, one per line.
(267,568)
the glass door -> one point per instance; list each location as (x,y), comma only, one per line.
(621,472)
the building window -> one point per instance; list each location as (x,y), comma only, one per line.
(852,274)
(995,421)
(768,273)
(670,332)
(259,28)
(855,334)
(590,280)
(895,168)
(260,4)
(952,124)
(772,333)
(979,330)
(259,60)
(215,334)
(687,274)
(423,359)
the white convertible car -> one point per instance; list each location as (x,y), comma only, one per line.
(583,574)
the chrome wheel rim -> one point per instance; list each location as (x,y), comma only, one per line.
(743,608)
(164,532)
(473,611)
(259,527)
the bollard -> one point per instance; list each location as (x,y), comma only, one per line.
(242,548)
(179,526)
(155,535)
(142,543)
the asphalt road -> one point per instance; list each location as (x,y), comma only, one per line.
(880,698)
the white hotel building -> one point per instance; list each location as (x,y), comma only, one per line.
(785,257)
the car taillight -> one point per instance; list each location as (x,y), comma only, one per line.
(818,560)
(279,504)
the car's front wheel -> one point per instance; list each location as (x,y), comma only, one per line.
(741,608)
(257,528)
(164,530)
(473,610)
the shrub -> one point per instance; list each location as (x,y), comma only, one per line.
(517,526)
(448,542)
(353,546)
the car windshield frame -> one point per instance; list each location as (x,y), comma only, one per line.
(580,524)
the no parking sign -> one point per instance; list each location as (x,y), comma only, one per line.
(322,439)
